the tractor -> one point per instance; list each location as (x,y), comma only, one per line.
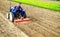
(17,15)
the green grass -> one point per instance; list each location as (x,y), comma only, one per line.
(48,5)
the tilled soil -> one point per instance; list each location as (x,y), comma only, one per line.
(8,29)
(44,22)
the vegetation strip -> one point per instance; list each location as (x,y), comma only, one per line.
(48,5)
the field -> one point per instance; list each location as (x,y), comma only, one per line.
(44,22)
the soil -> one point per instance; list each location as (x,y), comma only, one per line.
(44,22)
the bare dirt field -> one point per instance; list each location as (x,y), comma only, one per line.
(44,22)
(8,29)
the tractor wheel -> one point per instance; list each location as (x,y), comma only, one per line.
(10,16)
(7,15)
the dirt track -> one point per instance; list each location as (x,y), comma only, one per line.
(44,22)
